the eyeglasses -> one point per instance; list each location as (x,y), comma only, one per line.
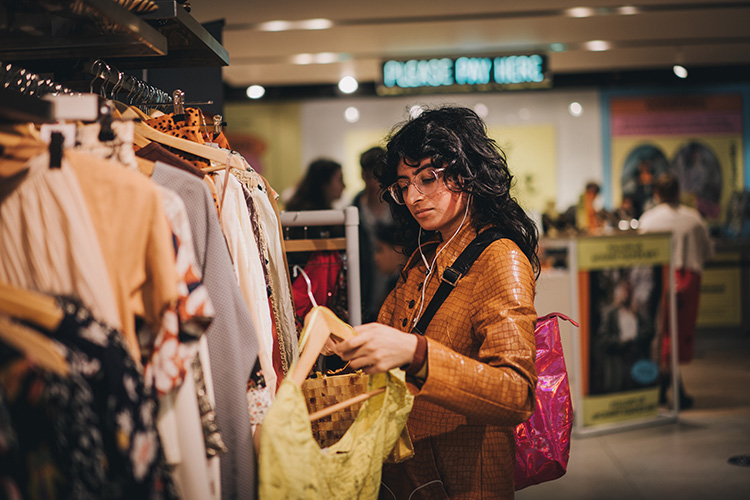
(425,181)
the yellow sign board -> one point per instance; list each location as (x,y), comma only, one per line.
(620,407)
(721,297)
(607,252)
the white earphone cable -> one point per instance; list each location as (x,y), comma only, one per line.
(431,267)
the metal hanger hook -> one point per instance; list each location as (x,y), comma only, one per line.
(296,269)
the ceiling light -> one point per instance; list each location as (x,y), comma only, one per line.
(275,26)
(597,45)
(303,59)
(255,91)
(481,109)
(348,84)
(415,111)
(557,47)
(579,12)
(628,10)
(326,58)
(351,114)
(314,24)
(680,71)
(575,109)
(307,24)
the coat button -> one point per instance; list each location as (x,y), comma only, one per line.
(411,303)
(403,323)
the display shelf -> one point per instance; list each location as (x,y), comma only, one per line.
(40,31)
(190,44)
(53,35)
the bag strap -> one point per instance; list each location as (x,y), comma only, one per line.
(454,272)
(557,315)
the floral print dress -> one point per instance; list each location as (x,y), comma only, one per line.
(91,434)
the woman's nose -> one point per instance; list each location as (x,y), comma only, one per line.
(412,194)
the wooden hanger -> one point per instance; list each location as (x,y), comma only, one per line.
(37,348)
(207,152)
(34,307)
(19,143)
(320,324)
(130,112)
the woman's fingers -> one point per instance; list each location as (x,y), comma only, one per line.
(377,348)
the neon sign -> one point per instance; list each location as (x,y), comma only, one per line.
(464,74)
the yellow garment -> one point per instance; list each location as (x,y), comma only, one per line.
(292,465)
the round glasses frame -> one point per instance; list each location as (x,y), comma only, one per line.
(396,190)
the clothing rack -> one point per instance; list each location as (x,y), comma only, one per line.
(137,91)
(27,83)
(349,218)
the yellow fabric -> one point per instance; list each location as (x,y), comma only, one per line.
(292,465)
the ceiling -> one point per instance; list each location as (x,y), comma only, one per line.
(643,35)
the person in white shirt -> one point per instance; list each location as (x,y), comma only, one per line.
(691,248)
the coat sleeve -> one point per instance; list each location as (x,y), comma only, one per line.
(497,387)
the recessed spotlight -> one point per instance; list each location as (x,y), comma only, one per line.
(575,109)
(628,10)
(351,114)
(255,91)
(307,24)
(348,84)
(303,59)
(680,71)
(275,26)
(597,45)
(326,58)
(315,24)
(415,111)
(557,47)
(580,12)
(481,109)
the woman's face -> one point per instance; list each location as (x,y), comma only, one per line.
(443,210)
(335,187)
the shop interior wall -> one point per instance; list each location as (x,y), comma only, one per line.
(269,136)
(551,152)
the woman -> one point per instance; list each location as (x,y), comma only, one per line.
(322,185)
(473,372)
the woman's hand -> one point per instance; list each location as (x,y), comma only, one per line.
(377,348)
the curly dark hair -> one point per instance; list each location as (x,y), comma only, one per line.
(455,138)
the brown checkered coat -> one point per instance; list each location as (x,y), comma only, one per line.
(481,374)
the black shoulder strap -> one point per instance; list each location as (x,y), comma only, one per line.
(453,273)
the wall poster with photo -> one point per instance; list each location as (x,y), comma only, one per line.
(699,136)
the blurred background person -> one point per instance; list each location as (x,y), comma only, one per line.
(372,210)
(691,248)
(589,210)
(389,258)
(321,186)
